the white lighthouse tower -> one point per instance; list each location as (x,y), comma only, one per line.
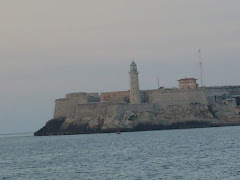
(134,84)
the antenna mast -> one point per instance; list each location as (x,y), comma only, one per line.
(200,63)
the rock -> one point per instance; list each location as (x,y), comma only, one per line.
(139,118)
(52,127)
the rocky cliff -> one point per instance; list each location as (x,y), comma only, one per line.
(107,117)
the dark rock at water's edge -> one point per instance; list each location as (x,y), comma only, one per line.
(54,127)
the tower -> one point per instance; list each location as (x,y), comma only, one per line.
(134,84)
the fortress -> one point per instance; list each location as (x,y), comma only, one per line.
(186,106)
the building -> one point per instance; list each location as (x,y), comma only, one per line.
(187,83)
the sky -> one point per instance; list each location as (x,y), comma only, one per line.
(51,48)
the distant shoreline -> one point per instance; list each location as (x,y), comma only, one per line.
(17,133)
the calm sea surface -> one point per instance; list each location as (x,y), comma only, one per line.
(210,153)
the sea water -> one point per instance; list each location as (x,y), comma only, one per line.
(209,153)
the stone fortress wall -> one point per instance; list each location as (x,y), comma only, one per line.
(231,90)
(175,96)
(66,107)
(118,96)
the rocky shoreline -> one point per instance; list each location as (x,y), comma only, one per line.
(55,127)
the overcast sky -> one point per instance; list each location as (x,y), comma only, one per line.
(50,48)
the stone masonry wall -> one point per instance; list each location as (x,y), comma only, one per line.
(118,96)
(219,90)
(74,99)
(61,108)
(66,107)
(168,97)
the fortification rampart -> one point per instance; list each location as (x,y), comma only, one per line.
(93,109)
(118,96)
(66,107)
(231,90)
(61,108)
(175,96)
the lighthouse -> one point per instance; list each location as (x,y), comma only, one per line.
(134,84)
